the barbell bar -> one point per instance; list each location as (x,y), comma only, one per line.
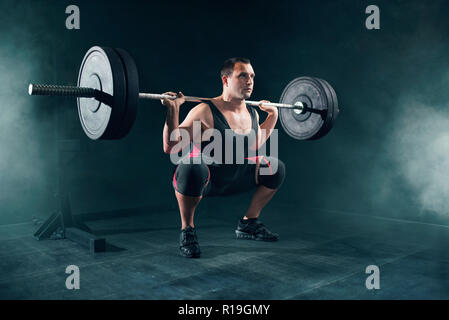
(84,92)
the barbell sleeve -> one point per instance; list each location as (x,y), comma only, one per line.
(69,91)
(83,92)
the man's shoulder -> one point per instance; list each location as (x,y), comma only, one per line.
(201,107)
(202,111)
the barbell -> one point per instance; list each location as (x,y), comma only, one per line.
(107,95)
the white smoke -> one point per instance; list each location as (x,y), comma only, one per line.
(420,146)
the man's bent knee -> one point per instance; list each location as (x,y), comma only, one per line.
(191,179)
(271,172)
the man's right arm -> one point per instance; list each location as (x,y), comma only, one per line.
(176,136)
(171,121)
(171,128)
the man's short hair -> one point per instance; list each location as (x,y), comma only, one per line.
(228,65)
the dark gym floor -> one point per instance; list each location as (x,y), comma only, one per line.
(322,254)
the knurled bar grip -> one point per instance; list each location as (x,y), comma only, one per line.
(69,91)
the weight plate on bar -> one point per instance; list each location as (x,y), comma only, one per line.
(102,69)
(132,92)
(307,125)
(332,99)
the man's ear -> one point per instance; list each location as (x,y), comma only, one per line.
(224,80)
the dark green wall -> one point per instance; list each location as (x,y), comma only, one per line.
(387,155)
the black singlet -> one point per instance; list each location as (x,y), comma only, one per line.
(230,178)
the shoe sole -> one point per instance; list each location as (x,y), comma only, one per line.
(190,256)
(247,236)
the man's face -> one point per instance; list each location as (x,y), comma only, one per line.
(241,82)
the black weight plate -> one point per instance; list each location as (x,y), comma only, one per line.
(308,125)
(132,90)
(332,97)
(102,69)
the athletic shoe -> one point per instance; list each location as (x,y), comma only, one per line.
(188,243)
(253,229)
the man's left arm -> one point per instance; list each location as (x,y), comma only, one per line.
(266,128)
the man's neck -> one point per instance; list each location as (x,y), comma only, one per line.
(231,103)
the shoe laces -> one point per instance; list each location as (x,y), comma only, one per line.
(262,228)
(189,237)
